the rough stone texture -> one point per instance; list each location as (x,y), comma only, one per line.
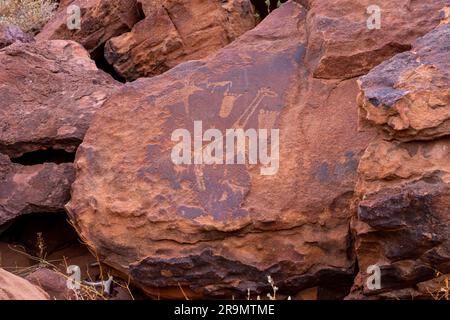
(100,21)
(28,189)
(175,31)
(219,230)
(387,164)
(434,289)
(15,288)
(53,283)
(49,93)
(403,220)
(11,33)
(341,46)
(409,95)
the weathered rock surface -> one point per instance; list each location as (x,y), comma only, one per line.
(53,283)
(409,95)
(403,220)
(435,289)
(50,91)
(340,45)
(28,189)
(217,230)
(15,288)
(100,21)
(11,33)
(175,31)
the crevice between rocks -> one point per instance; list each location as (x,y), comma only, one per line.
(57,156)
(48,241)
(52,228)
(98,55)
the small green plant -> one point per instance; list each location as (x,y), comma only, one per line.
(29,15)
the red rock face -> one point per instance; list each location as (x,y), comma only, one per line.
(363,173)
(28,189)
(11,33)
(175,31)
(100,21)
(15,288)
(403,221)
(54,284)
(50,91)
(340,45)
(409,96)
(171,31)
(218,230)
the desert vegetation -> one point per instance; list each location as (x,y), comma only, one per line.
(29,15)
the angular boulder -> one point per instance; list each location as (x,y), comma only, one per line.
(408,96)
(175,31)
(403,221)
(13,287)
(29,189)
(100,21)
(53,283)
(11,33)
(341,45)
(219,230)
(50,91)
(403,216)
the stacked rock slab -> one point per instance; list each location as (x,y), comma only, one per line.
(219,230)
(100,20)
(408,97)
(148,37)
(176,31)
(33,189)
(403,221)
(344,40)
(49,94)
(50,91)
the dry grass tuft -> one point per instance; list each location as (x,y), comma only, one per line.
(29,15)
(443,292)
(86,290)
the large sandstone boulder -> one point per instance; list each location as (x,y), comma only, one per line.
(15,288)
(218,230)
(175,31)
(409,96)
(100,21)
(49,93)
(403,220)
(341,45)
(28,189)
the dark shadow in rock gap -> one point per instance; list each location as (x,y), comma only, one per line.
(98,55)
(57,156)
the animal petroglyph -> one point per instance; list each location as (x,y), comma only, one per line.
(253,106)
(267,119)
(228,99)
